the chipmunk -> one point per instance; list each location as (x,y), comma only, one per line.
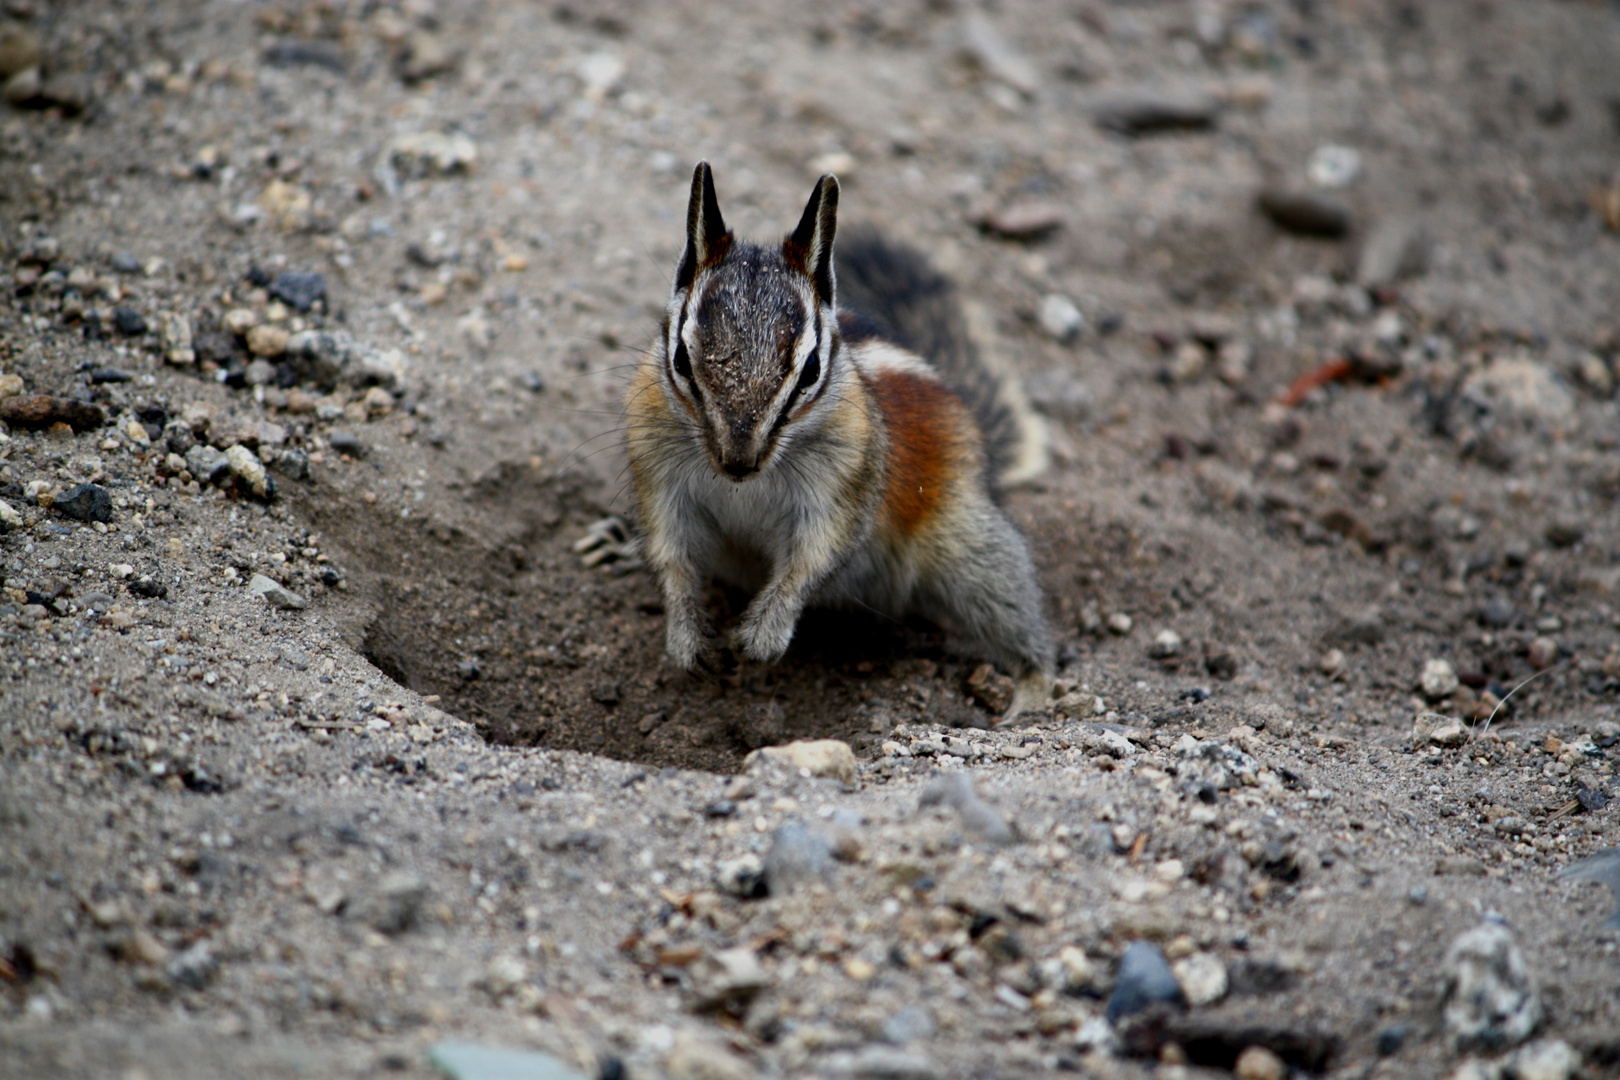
(802,452)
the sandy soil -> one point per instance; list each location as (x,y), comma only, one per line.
(1305,489)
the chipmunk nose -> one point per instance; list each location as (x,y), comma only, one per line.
(740,470)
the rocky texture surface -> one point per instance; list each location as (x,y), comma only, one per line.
(320,748)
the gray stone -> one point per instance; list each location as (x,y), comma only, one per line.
(1144,979)
(1604,867)
(1491,1002)
(982,822)
(878,1062)
(207,464)
(1397,248)
(293,464)
(85,502)
(194,967)
(393,906)
(275,594)
(913,1023)
(1438,679)
(997,56)
(797,854)
(472,1061)
(301,290)
(1059,317)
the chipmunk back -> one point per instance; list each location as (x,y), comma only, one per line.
(803,453)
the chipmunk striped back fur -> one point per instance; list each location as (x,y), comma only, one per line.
(805,454)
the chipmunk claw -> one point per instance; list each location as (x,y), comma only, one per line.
(608,543)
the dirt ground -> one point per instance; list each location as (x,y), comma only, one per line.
(1323,462)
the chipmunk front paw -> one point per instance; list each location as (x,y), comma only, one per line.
(766,633)
(1031,694)
(609,543)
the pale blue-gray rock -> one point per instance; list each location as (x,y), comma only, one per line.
(1602,866)
(471,1061)
(1144,978)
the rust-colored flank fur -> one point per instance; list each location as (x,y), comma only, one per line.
(922,436)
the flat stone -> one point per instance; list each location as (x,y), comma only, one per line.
(36,411)
(1152,112)
(473,1061)
(1306,213)
(275,594)
(819,757)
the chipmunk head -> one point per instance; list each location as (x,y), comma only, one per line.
(750,334)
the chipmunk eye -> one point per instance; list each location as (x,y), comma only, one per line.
(811,372)
(683,362)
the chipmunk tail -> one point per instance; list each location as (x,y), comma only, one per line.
(907,301)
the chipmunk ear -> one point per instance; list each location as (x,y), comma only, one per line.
(707,238)
(810,246)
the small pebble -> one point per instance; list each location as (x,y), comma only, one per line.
(1119,623)
(275,594)
(301,290)
(267,340)
(818,757)
(1258,1063)
(1334,166)
(128,321)
(1166,645)
(1438,680)
(1543,651)
(1059,318)
(345,442)
(1306,213)
(1029,219)
(1144,978)
(1202,978)
(1332,662)
(797,854)
(125,263)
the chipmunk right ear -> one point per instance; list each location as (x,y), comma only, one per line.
(707,238)
(809,247)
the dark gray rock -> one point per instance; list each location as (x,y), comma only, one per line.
(1306,212)
(1148,113)
(302,290)
(293,464)
(85,502)
(129,321)
(126,263)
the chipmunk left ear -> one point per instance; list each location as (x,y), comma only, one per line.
(809,247)
(707,238)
